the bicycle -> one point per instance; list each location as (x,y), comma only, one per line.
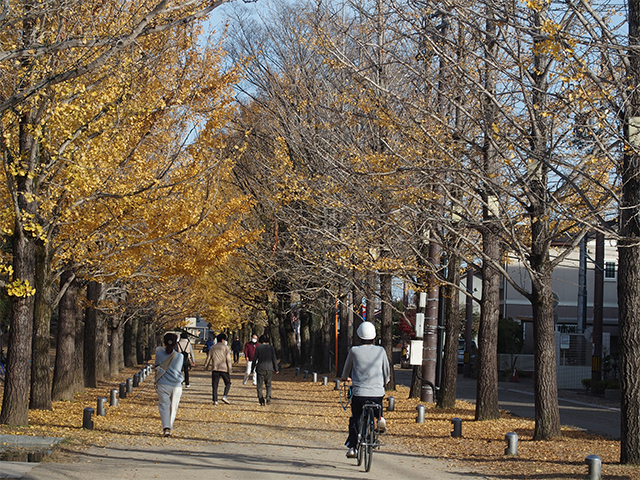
(368,432)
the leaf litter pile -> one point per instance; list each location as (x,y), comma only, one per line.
(305,411)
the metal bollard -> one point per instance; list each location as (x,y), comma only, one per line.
(297,371)
(595,467)
(100,410)
(86,418)
(420,417)
(325,379)
(457,427)
(337,387)
(113,401)
(142,375)
(315,377)
(306,374)
(512,443)
(123,390)
(129,385)
(392,404)
(136,380)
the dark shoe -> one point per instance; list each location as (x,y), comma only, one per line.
(268,401)
(261,400)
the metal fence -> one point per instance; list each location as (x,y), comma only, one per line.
(573,354)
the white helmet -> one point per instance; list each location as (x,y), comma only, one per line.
(367,331)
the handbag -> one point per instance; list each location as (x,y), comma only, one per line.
(162,368)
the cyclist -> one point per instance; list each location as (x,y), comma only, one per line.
(367,366)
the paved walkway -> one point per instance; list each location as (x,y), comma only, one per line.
(239,441)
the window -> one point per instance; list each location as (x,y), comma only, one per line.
(610,270)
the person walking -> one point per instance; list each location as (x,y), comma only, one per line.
(368,366)
(219,358)
(168,381)
(264,363)
(184,346)
(236,348)
(249,352)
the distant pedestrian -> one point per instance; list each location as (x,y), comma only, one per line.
(168,380)
(249,352)
(184,346)
(264,363)
(219,358)
(236,348)
(207,345)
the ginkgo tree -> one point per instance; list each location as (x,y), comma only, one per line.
(97,159)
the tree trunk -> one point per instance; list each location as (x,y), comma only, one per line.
(306,351)
(40,395)
(629,258)
(487,360)
(91,335)
(103,369)
(447,394)
(430,351)
(386,330)
(116,357)
(547,413)
(63,374)
(15,404)
(78,364)
(129,342)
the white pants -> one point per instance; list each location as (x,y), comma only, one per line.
(168,401)
(247,372)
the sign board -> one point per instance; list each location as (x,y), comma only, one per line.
(565,342)
(415,352)
(419,325)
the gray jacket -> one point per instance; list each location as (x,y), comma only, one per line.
(368,367)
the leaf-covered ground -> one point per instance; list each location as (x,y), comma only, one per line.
(307,410)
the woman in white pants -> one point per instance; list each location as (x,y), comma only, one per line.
(168,365)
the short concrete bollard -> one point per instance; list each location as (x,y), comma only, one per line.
(337,387)
(113,399)
(306,374)
(420,417)
(136,380)
(325,379)
(595,467)
(392,404)
(100,409)
(512,443)
(123,390)
(457,427)
(315,377)
(86,418)
(129,385)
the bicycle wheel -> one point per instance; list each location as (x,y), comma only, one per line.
(369,440)
(360,448)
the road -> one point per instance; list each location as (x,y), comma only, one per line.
(577,410)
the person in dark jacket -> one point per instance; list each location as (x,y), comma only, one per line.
(264,363)
(236,348)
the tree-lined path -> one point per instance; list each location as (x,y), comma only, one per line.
(297,436)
